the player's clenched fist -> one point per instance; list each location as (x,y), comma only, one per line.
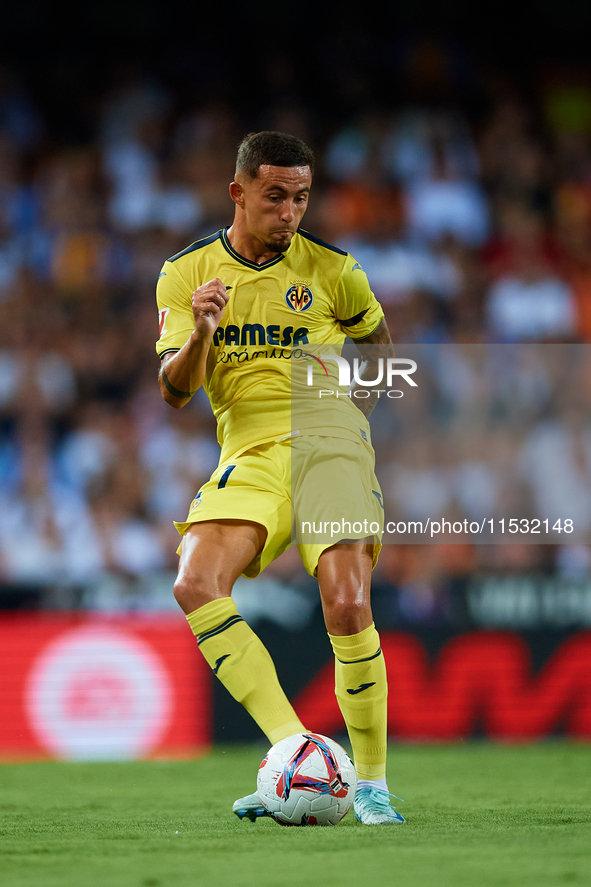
(208,303)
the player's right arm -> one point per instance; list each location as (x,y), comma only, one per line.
(191,324)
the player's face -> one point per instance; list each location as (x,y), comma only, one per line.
(275,202)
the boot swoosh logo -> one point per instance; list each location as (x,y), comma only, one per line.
(360,688)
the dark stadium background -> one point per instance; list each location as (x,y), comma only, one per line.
(101,104)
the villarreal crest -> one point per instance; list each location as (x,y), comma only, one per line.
(299,297)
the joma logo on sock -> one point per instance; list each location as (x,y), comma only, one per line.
(219,661)
(360,688)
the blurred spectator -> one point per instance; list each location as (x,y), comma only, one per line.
(556,462)
(20,120)
(515,169)
(528,300)
(531,305)
(180,456)
(420,145)
(141,197)
(445,203)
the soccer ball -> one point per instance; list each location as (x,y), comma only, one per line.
(307,779)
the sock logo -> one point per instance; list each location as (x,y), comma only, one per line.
(376,494)
(360,688)
(218,662)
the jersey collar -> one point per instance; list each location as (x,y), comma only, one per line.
(229,249)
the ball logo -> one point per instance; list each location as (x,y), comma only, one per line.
(293,776)
(97,693)
(299,297)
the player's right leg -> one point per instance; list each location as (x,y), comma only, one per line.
(213,555)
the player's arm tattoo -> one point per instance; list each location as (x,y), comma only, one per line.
(375,346)
(168,388)
(182,395)
(183,372)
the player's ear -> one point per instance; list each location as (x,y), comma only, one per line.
(237,193)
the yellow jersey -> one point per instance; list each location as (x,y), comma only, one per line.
(313,294)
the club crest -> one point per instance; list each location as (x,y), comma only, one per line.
(299,297)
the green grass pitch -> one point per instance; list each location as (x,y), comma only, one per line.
(478,815)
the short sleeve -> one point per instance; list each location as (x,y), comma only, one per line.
(357,310)
(175,316)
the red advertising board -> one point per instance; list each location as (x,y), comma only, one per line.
(79,688)
(481,681)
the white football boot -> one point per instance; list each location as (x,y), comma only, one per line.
(250,807)
(372,807)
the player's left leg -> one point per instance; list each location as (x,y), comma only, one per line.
(344,577)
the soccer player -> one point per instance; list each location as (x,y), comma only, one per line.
(236,310)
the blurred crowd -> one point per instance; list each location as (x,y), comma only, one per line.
(472,221)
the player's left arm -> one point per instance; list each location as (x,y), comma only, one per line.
(375,347)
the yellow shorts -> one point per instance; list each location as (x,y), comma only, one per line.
(311,490)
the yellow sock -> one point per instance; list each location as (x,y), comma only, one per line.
(244,667)
(361,689)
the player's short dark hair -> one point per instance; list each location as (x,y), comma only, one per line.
(271,149)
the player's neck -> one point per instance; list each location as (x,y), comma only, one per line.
(247,246)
